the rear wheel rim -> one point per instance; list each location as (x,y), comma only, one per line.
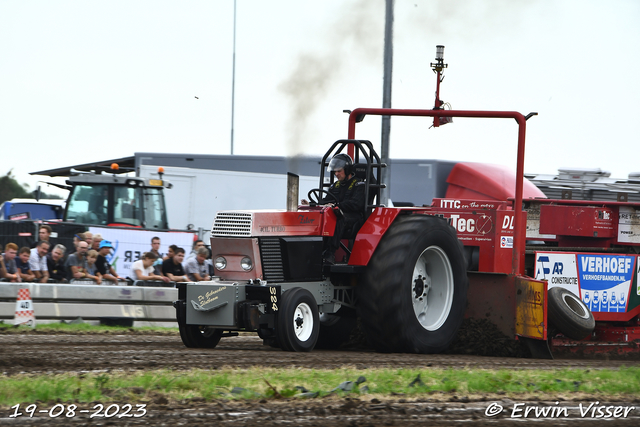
(432,287)
(303,322)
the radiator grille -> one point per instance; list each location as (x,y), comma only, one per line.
(271,254)
(232,224)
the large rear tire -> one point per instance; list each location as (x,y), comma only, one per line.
(298,322)
(414,290)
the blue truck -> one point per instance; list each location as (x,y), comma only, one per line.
(31,209)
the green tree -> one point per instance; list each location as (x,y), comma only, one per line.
(10,188)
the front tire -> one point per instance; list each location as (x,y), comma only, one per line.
(194,336)
(298,322)
(414,291)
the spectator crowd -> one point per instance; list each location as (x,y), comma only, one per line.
(88,262)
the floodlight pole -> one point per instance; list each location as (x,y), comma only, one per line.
(385,173)
(233,75)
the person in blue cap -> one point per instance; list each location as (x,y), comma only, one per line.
(104,268)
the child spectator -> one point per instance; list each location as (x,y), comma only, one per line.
(55,264)
(104,268)
(92,268)
(172,267)
(143,268)
(11,271)
(95,242)
(22,263)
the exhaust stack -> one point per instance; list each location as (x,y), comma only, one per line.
(293,189)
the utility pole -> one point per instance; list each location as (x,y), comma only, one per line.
(386,101)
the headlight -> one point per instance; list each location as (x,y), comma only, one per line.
(246,263)
(220,263)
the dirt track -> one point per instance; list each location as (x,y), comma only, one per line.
(62,353)
(69,353)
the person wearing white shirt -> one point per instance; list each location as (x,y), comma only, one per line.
(143,268)
(38,261)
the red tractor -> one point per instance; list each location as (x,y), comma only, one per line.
(403,274)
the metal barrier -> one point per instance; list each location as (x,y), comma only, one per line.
(92,302)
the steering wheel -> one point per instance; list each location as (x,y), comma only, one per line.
(315,196)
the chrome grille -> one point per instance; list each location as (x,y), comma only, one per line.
(232,224)
(271,254)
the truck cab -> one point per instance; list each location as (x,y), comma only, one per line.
(112,200)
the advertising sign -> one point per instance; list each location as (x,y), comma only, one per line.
(602,281)
(605,281)
(628,225)
(559,269)
(129,245)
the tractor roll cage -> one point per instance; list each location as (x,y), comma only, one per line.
(369,172)
(359,114)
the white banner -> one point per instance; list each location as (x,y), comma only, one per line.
(129,244)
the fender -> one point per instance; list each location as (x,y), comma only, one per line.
(370,234)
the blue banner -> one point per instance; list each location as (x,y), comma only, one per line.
(605,281)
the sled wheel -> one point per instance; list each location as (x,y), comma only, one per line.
(414,291)
(298,323)
(569,315)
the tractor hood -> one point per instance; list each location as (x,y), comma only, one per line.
(487,182)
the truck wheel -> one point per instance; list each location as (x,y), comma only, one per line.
(414,290)
(298,321)
(335,330)
(199,336)
(569,314)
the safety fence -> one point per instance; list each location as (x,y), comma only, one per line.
(92,302)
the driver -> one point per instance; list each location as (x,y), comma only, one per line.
(348,191)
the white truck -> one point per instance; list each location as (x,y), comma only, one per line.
(197,194)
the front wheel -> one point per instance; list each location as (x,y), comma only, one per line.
(194,336)
(414,291)
(298,322)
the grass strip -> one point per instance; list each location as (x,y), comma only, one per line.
(259,383)
(86,329)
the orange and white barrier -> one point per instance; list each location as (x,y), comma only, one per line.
(24,309)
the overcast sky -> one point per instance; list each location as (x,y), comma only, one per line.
(83,81)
